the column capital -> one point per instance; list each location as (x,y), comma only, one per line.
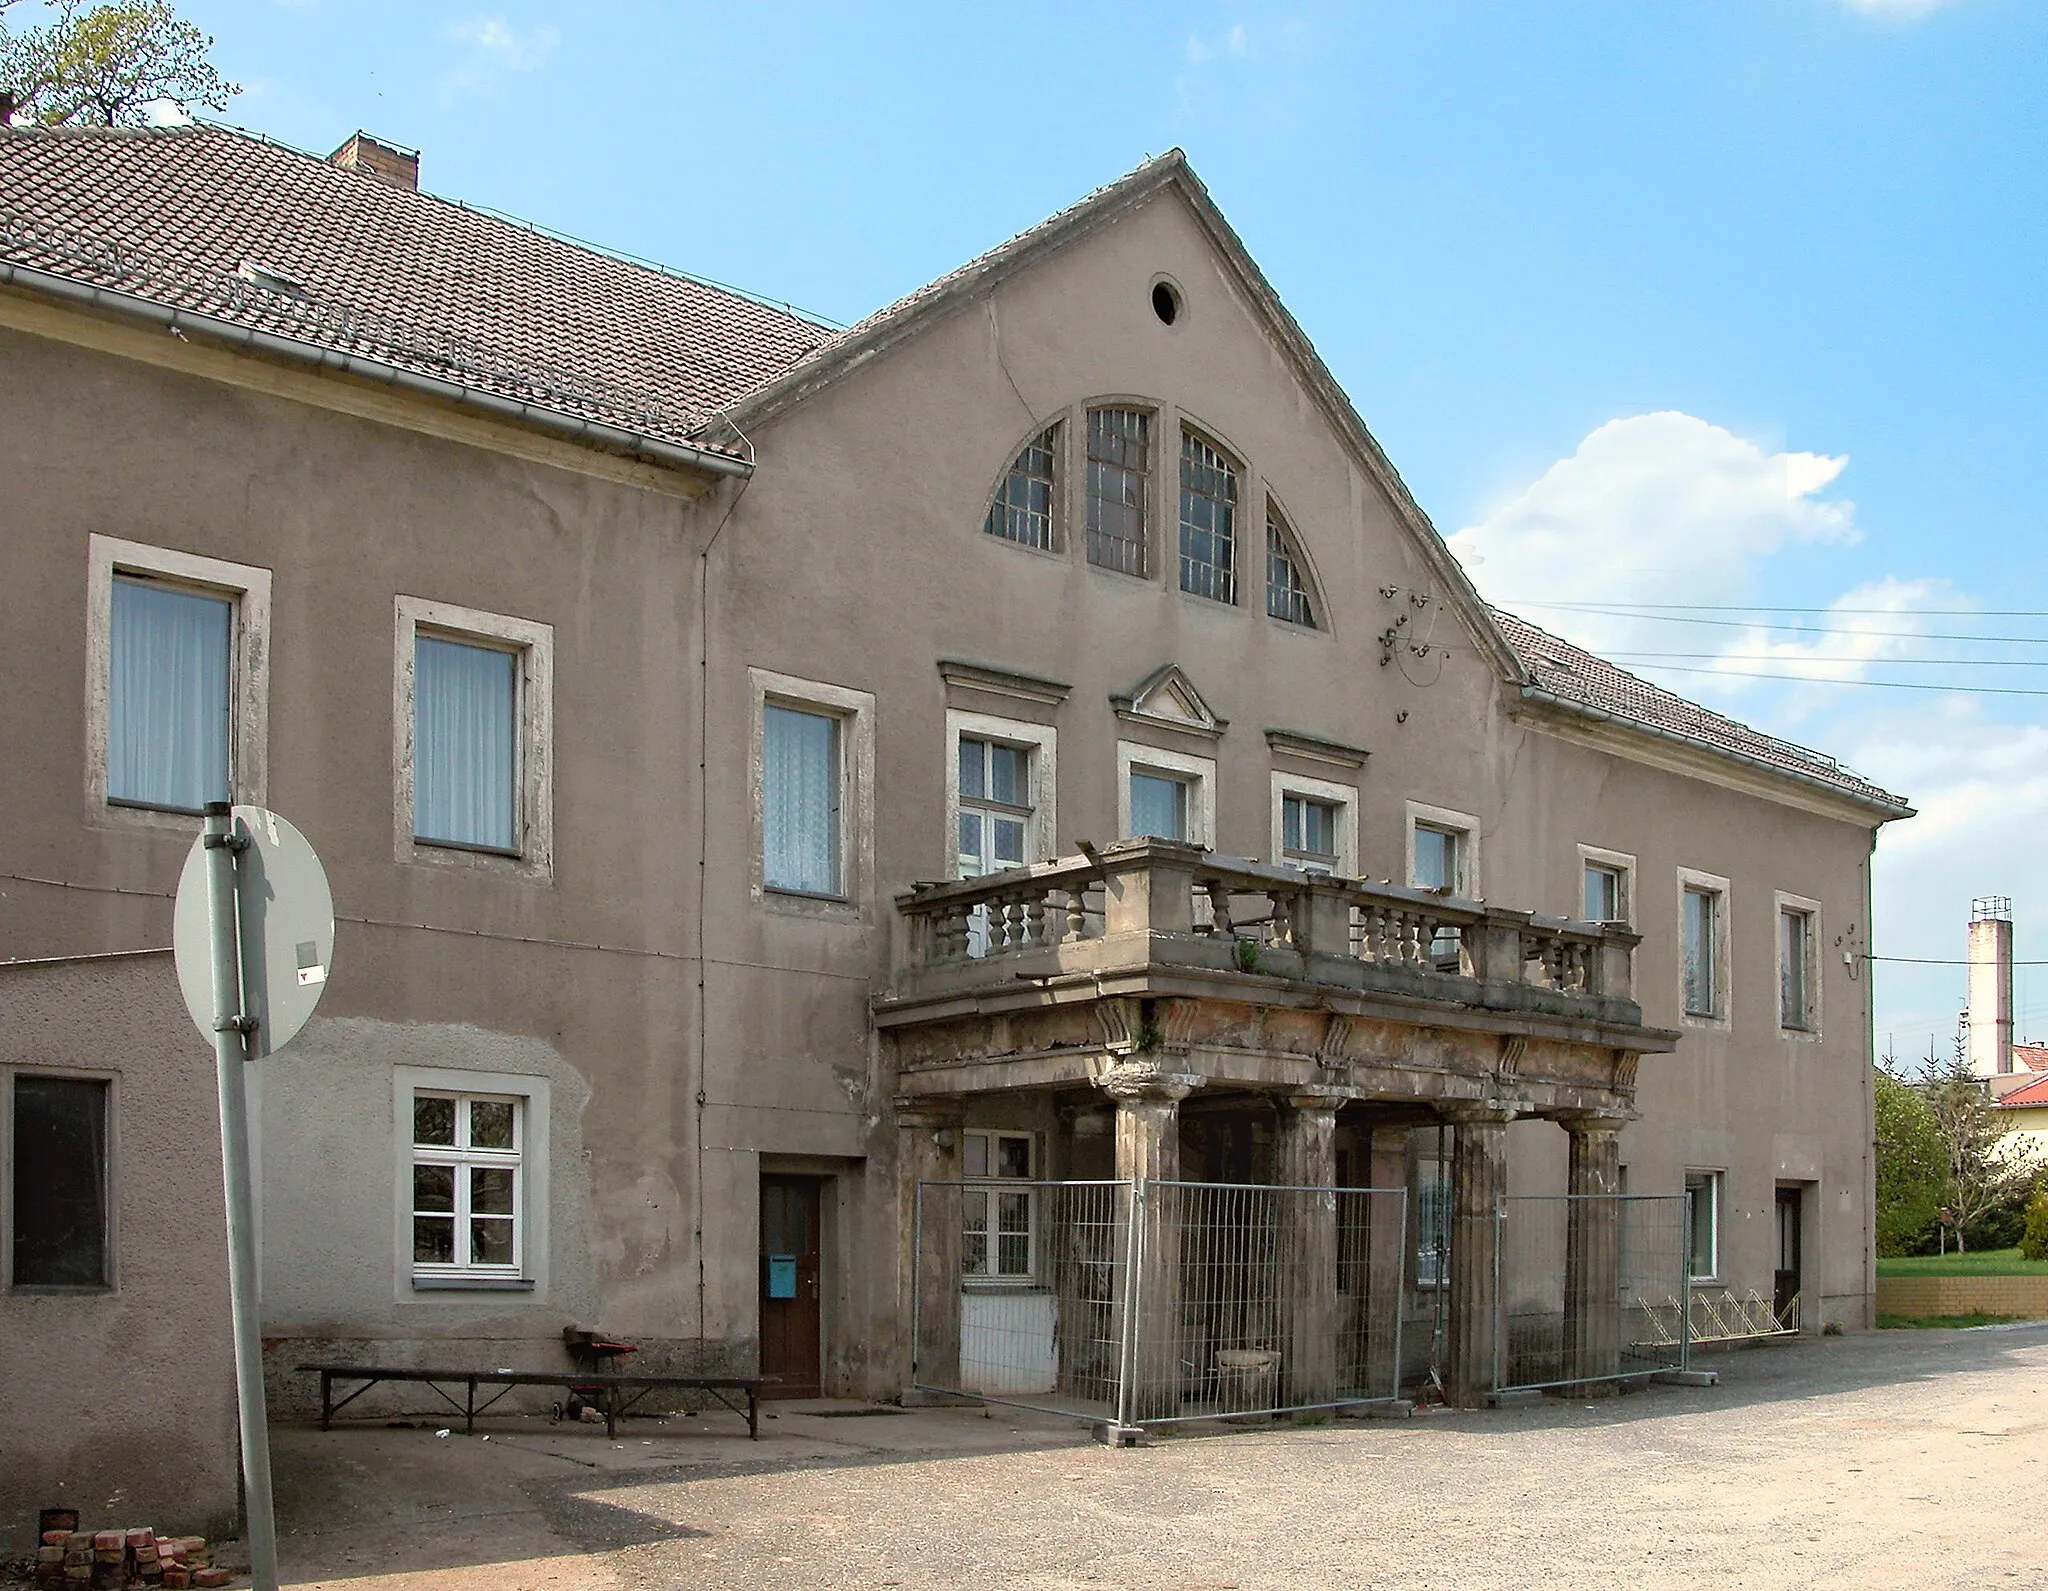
(1136,1081)
(1578,1122)
(1315,1099)
(1478,1113)
(927,1110)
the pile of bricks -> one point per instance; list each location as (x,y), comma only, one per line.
(114,1560)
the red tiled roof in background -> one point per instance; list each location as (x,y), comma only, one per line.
(1571,672)
(2030,1057)
(174,214)
(2034,1093)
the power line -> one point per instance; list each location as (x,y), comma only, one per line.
(1801,629)
(1733,607)
(1864,684)
(1903,662)
(1944,961)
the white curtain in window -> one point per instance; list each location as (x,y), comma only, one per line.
(167,696)
(465,744)
(800,801)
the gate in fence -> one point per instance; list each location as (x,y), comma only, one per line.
(1592,1287)
(1144,1303)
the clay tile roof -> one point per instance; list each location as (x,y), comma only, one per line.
(223,223)
(2034,1093)
(1569,672)
(2034,1057)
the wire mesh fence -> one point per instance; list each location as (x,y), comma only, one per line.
(1139,1304)
(1592,1287)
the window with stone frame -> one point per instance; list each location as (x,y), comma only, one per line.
(1703,1225)
(1118,486)
(468,1157)
(998,1222)
(1026,502)
(59,1168)
(1288,597)
(1308,829)
(1208,520)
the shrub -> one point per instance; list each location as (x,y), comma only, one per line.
(2034,1240)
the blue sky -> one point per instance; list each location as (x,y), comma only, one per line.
(1718,303)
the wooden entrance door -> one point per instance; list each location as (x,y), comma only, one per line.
(1786,1280)
(792,1335)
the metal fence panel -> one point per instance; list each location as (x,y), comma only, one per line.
(1148,1303)
(1559,1328)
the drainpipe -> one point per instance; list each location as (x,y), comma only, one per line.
(1869,1093)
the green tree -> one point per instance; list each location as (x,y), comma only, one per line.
(1912,1162)
(107,65)
(2034,1241)
(1982,1172)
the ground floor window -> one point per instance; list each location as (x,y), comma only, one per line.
(466,1172)
(998,1225)
(59,1160)
(1703,1225)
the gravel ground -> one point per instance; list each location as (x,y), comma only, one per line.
(1910,1458)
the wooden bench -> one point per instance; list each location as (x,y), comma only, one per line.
(613,1390)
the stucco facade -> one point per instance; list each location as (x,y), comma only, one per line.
(677,1027)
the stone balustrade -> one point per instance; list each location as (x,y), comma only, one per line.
(1227,913)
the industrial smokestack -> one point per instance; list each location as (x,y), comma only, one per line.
(1990,1011)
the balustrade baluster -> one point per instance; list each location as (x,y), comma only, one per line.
(1077,913)
(1034,920)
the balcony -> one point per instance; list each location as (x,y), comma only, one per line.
(1230,970)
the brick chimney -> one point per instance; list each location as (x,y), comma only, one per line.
(396,165)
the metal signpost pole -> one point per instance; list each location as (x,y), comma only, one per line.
(230,1028)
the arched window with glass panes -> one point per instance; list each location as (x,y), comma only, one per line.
(1288,594)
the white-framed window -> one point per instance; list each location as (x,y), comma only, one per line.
(1026,503)
(1607,886)
(1443,850)
(1167,795)
(177,687)
(1798,965)
(1208,519)
(56,1180)
(473,736)
(813,780)
(998,1223)
(472,1179)
(1703,947)
(1703,1225)
(1118,488)
(1315,824)
(1002,784)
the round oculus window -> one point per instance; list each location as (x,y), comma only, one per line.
(1166,302)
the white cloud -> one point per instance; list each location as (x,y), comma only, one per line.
(1653,507)
(492,49)
(1232,41)
(1895,8)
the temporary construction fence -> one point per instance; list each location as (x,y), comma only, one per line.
(1566,1318)
(1139,1304)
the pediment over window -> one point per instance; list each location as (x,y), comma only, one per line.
(1168,699)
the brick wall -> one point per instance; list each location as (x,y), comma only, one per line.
(1963,1295)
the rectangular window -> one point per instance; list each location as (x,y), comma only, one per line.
(1208,521)
(59,1195)
(995,805)
(1159,806)
(1308,832)
(1119,465)
(998,1224)
(465,745)
(1432,1222)
(169,696)
(1795,953)
(1603,895)
(1703,1225)
(800,817)
(1439,859)
(1023,509)
(467,1164)
(1701,928)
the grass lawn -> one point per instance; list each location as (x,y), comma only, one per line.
(1944,1322)
(1992,1262)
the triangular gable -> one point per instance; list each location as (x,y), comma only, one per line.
(1167,698)
(934,301)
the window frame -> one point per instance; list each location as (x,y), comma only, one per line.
(1222,462)
(1344,797)
(994,1184)
(1465,827)
(1056,429)
(1040,742)
(110,1183)
(1280,527)
(1618,862)
(1714,1181)
(1148,513)
(1692,881)
(855,710)
(533,644)
(531,1185)
(1808,1029)
(1197,773)
(247,590)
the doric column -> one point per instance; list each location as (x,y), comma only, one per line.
(1592,1247)
(1305,1158)
(1479,1182)
(1147,1155)
(928,1223)
(1387,1265)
